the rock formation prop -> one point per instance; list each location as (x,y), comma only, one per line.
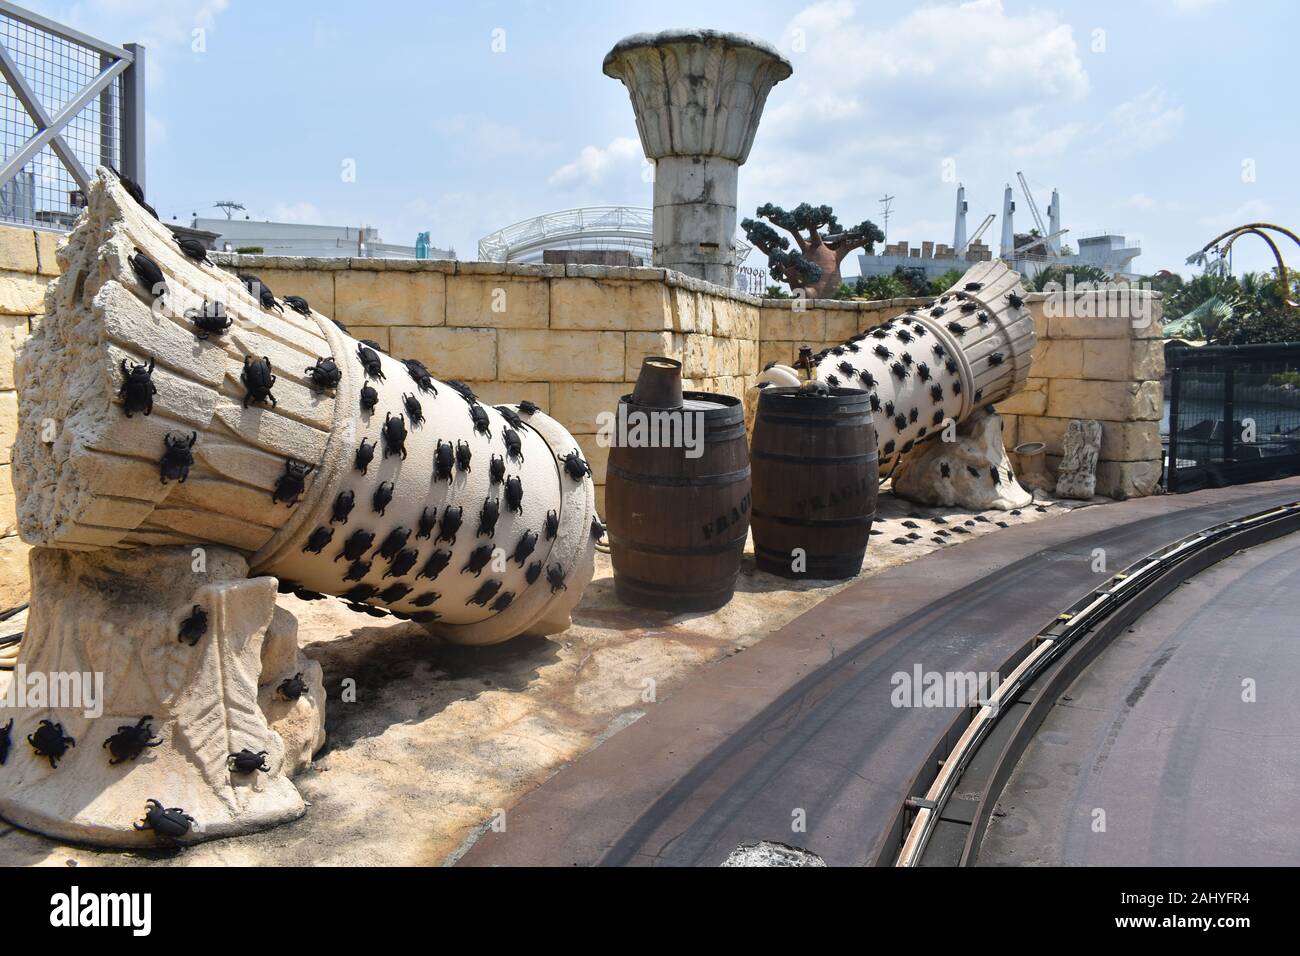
(971,472)
(1076,476)
(168,406)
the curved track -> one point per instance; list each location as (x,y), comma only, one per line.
(1156,735)
(801,728)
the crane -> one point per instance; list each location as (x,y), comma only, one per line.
(1045,240)
(1033,206)
(988,221)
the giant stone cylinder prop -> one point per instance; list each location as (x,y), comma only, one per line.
(971,348)
(698,96)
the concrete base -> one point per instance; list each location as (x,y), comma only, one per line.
(695,216)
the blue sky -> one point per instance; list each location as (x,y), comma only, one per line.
(1169,120)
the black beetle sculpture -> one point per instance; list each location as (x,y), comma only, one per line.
(248,762)
(515,494)
(356,571)
(913,415)
(394,435)
(292,688)
(597,528)
(394,542)
(956,387)
(394,593)
(436,564)
(478,560)
(906,359)
(167,823)
(899,370)
(343,505)
(479,416)
(950,366)
(359,593)
(973,286)
(957,329)
(193,249)
(209,320)
(534,572)
(422,376)
(258,380)
(882,353)
(529,407)
(833,381)
(900,422)
(996,358)
(325,374)
(428,521)
(984,318)
(868,380)
(969,307)
(889,409)
(150,276)
(574,466)
(555,578)
(298,304)
(487,518)
(414,411)
(368,609)
(369,398)
(452,517)
(888,448)
(444,456)
(365,455)
(317,541)
(382,496)
(936,392)
(137,389)
(502,602)
(874,399)
(923,371)
(527,542)
(357,544)
(903,335)
(511,417)
(487,590)
(290,485)
(402,563)
(134,190)
(194,626)
(50,742)
(425,599)
(177,458)
(464,455)
(552,524)
(496,469)
(937,418)
(514,447)
(463,390)
(370,362)
(1015,299)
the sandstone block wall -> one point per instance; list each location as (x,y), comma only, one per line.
(27,263)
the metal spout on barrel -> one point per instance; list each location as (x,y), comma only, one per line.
(659,385)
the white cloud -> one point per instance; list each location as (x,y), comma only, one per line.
(296,212)
(1141,123)
(1252,210)
(594,164)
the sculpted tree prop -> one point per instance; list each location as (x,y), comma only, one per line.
(823,245)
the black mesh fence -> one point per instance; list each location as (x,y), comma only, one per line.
(1233,415)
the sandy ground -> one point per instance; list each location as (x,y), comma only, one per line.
(441,740)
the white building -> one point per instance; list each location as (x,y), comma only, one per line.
(303,239)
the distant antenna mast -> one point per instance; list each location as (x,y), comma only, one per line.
(886,204)
(229,207)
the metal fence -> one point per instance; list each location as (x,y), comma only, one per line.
(69,103)
(1234,415)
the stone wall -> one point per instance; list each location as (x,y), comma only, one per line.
(571,338)
(26,265)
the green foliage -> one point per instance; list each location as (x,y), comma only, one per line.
(875,288)
(1058,275)
(1285,378)
(810,225)
(1229,310)
(941,284)
(250,250)
(776,292)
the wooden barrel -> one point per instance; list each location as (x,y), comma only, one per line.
(815,481)
(677,523)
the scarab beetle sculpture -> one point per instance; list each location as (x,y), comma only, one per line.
(597,528)
(357,544)
(425,599)
(394,542)
(369,398)
(479,417)
(422,376)
(394,593)
(49,741)
(362,592)
(529,407)
(343,506)
(496,470)
(487,590)
(248,762)
(131,740)
(370,362)
(428,521)
(574,466)
(452,516)
(444,457)
(325,374)
(394,435)
(365,455)
(194,626)
(137,389)
(509,414)
(552,524)
(356,571)
(463,390)
(527,542)
(317,541)
(514,447)
(177,458)
(957,329)
(1015,300)
(147,271)
(464,455)
(478,560)
(258,380)
(290,485)
(414,411)
(487,518)
(402,562)
(209,320)
(515,494)
(292,688)
(882,353)
(534,572)
(436,564)
(193,249)
(168,823)
(298,304)
(555,578)
(382,496)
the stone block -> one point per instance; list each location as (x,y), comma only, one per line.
(782,352)
(512,393)
(465,354)
(18,250)
(376,333)
(1110,401)
(531,355)
(8,425)
(1122,360)
(15,586)
(1127,479)
(363,297)
(1061,358)
(1119,314)
(13,332)
(641,345)
(316,286)
(578,303)
(576,405)
(697,356)
(1031,400)
(8,508)
(725,357)
(47,252)
(503,302)
(22,294)
(747,357)
(841,326)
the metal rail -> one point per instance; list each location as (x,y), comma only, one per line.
(1045,666)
